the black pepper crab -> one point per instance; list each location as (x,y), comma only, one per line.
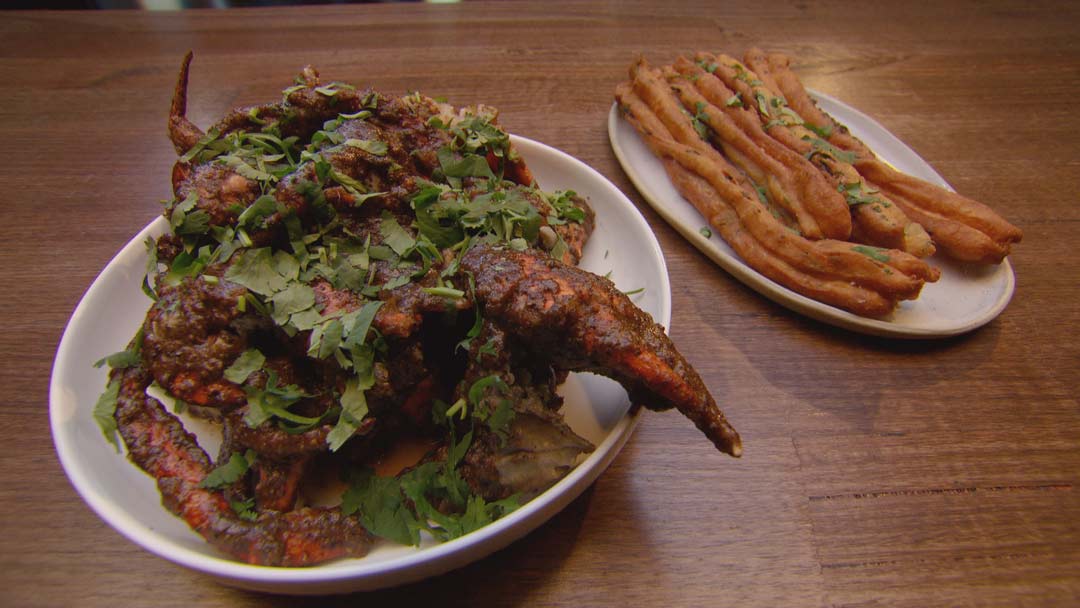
(345,271)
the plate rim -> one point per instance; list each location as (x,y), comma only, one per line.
(338,577)
(784,296)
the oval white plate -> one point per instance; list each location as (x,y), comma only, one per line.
(966,297)
(125,497)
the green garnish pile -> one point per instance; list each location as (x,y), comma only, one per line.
(465,201)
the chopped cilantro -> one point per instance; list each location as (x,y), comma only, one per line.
(820,147)
(254,269)
(445,292)
(245,509)
(105,412)
(354,408)
(151,268)
(325,338)
(762,105)
(381,507)
(700,120)
(856,194)
(230,472)
(823,131)
(130,357)
(261,208)
(273,400)
(295,298)
(875,253)
(249,362)
(394,235)
(468,165)
(371,146)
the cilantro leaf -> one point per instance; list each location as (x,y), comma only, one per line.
(820,147)
(468,165)
(296,297)
(437,218)
(823,131)
(194,224)
(105,412)
(261,208)
(354,408)
(245,509)
(273,401)
(151,268)
(249,361)
(394,236)
(381,507)
(358,329)
(254,269)
(129,357)
(855,194)
(874,253)
(371,146)
(325,338)
(230,472)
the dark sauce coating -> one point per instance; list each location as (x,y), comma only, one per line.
(190,336)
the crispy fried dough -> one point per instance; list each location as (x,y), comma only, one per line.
(831,271)
(876,220)
(808,193)
(961,227)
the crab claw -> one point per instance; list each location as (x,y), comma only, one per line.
(583,323)
(182,132)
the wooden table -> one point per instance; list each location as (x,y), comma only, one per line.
(876,471)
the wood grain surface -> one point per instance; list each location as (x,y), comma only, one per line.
(876,472)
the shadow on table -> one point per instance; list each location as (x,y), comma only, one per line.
(840,373)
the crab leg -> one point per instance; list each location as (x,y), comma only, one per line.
(182,132)
(158,444)
(584,323)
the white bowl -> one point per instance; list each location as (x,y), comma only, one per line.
(127,499)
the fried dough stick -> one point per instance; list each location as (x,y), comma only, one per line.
(752,147)
(964,228)
(784,188)
(652,90)
(707,199)
(875,221)
(826,256)
(831,271)
(703,196)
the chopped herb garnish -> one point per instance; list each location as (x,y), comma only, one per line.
(249,362)
(823,131)
(378,148)
(105,412)
(353,410)
(874,253)
(700,120)
(244,509)
(230,472)
(856,193)
(820,147)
